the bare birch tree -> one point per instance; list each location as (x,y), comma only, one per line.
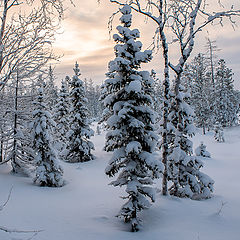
(26,36)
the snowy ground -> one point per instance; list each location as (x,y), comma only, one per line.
(84,209)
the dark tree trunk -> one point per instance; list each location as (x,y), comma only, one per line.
(15,165)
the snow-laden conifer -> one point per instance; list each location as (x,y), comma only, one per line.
(226,103)
(202,92)
(157,95)
(48,172)
(130,122)
(50,90)
(61,116)
(201,151)
(219,133)
(185,168)
(79,146)
(92,94)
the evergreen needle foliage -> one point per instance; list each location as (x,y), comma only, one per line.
(130,121)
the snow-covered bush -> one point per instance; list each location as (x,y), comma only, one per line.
(201,151)
(130,122)
(48,172)
(191,182)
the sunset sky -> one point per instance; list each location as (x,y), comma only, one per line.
(85,38)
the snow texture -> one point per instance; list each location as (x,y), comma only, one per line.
(90,205)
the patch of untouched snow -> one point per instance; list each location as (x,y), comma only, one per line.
(86,206)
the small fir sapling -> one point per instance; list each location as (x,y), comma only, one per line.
(130,122)
(219,134)
(201,151)
(79,146)
(48,171)
(98,130)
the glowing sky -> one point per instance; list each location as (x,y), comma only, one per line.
(85,39)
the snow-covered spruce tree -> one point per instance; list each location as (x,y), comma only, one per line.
(184,168)
(51,90)
(202,92)
(90,95)
(93,104)
(201,151)
(79,146)
(130,122)
(226,102)
(48,172)
(61,116)
(157,95)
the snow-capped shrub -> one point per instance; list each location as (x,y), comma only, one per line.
(219,134)
(201,151)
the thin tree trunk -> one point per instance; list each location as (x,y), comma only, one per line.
(3,18)
(15,165)
(1,150)
(204,130)
(165,113)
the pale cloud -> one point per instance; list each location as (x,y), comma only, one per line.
(85,39)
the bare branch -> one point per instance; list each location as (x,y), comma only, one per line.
(9,195)
(221,208)
(1,163)
(110,22)
(26,45)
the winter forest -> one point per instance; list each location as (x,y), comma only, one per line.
(119,119)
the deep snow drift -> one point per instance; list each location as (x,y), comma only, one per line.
(85,207)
